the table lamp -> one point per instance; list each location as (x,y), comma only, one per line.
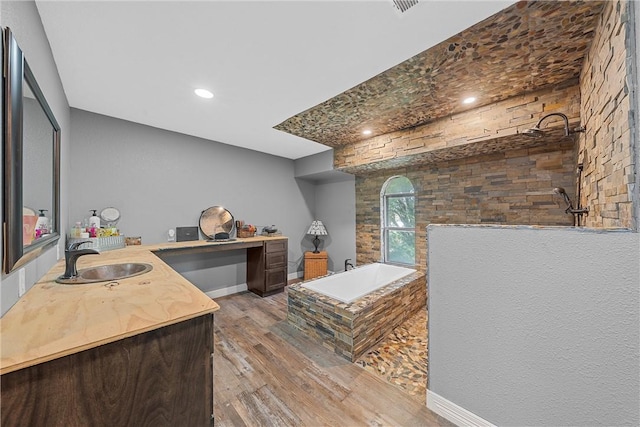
(317,229)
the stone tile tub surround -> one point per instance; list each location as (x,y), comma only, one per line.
(350,329)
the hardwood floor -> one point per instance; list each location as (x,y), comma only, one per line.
(268,373)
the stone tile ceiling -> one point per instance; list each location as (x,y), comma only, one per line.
(525,47)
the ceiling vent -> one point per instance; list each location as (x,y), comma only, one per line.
(404,5)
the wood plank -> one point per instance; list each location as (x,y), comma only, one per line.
(304,383)
(230,417)
(265,408)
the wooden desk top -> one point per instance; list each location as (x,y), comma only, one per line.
(53,320)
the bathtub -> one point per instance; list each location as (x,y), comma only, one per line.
(350,312)
(353,284)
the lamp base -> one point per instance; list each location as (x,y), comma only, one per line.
(316,242)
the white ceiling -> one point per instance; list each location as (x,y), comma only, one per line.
(265,61)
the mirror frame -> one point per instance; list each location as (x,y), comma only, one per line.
(16,71)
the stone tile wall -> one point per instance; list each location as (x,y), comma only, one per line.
(350,329)
(607,148)
(513,187)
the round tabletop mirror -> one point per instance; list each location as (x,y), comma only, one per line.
(110,216)
(216,223)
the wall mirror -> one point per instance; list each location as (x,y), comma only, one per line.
(31,162)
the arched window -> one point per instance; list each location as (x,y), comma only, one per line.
(397,200)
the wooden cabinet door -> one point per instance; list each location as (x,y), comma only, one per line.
(162,377)
(267,268)
(276,279)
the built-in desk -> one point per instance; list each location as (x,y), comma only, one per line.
(204,246)
(267,259)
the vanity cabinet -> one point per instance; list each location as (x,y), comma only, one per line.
(267,267)
(163,377)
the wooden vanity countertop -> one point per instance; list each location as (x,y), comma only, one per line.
(53,320)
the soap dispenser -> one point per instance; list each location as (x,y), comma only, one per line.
(42,224)
(94,220)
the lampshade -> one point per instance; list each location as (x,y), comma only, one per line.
(317,229)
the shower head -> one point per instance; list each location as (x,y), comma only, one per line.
(576,212)
(536,132)
(565,196)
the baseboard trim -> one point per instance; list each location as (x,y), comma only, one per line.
(230,290)
(295,275)
(217,293)
(454,413)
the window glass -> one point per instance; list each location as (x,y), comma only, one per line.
(400,211)
(398,184)
(398,221)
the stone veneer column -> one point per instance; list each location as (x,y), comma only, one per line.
(607,148)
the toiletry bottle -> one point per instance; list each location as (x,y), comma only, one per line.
(94,220)
(76,230)
(42,225)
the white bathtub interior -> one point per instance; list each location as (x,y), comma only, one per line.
(350,285)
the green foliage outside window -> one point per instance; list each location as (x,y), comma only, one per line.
(401,212)
(399,221)
(401,247)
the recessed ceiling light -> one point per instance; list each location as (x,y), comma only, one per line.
(366,132)
(203,93)
(469,100)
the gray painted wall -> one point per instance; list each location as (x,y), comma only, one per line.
(319,168)
(161,179)
(335,202)
(535,326)
(23,19)
(336,207)
(314,164)
(213,274)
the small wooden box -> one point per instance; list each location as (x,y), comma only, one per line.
(315,265)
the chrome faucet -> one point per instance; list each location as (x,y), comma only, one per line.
(347,264)
(71,255)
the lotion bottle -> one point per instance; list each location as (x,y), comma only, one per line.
(42,223)
(94,220)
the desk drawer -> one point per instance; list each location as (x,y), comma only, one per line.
(275,279)
(276,260)
(276,246)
